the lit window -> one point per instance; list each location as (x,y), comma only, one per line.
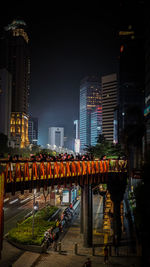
(12,121)
(12,129)
(18,121)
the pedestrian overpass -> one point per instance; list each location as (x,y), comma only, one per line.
(27,175)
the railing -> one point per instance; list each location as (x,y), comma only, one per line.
(26,171)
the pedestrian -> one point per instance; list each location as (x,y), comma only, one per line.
(106,254)
(87,263)
(71,206)
(115,243)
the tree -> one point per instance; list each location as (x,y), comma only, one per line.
(104,147)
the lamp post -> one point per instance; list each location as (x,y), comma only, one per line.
(33,212)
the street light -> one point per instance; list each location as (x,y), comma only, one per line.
(34,209)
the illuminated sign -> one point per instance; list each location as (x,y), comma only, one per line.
(146,111)
(65,198)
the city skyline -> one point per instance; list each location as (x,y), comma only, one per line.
(65,49)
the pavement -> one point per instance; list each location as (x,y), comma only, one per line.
(66,254)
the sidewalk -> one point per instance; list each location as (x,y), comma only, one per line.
(67,258)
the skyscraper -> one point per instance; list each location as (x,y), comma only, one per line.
(77,140)
(15,58)
(33,130)
(96,124)
(5,102)
(56,136)
(131,63)
(109,103)
(90,97)
(147,81)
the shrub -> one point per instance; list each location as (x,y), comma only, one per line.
(23,232)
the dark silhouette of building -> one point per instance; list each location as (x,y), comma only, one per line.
(15,58)
(33,130)
(147,80)
(131,79)
(5,102)
(109,103)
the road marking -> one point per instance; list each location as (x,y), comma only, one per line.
(13,201)
(24,200)
(6,199)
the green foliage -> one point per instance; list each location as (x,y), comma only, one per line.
(23,233)
(24,152)
(46,152)
(104,147)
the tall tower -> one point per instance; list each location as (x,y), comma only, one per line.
(17,61)
(77,140)
(56,136)
(5,102)
(96,124)
(131,64)
(90,97)
(109,103)
(33,130)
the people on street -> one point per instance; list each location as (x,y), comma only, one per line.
(87,263)
(106,254)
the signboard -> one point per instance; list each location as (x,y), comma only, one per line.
(72,195)
(65,196)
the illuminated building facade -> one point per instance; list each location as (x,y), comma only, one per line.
(15,58)
(90,98)
(109,103)
(19,129)
(96,124)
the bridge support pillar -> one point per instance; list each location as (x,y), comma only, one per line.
(81,212)
(87,216)
(116,187)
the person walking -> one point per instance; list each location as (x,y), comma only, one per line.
(105,254)
(87,263)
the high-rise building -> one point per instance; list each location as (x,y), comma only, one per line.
(56,136)
(15,58)
(131,63)
(5,102)
(109,103)
(147,80)
(96,124)
(131,80)
(77,140)
(90,97)
(33,130)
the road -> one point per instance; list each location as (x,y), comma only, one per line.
(17,207)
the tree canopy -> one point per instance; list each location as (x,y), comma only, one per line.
(105,148)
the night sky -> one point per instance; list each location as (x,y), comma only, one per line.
(67,44)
